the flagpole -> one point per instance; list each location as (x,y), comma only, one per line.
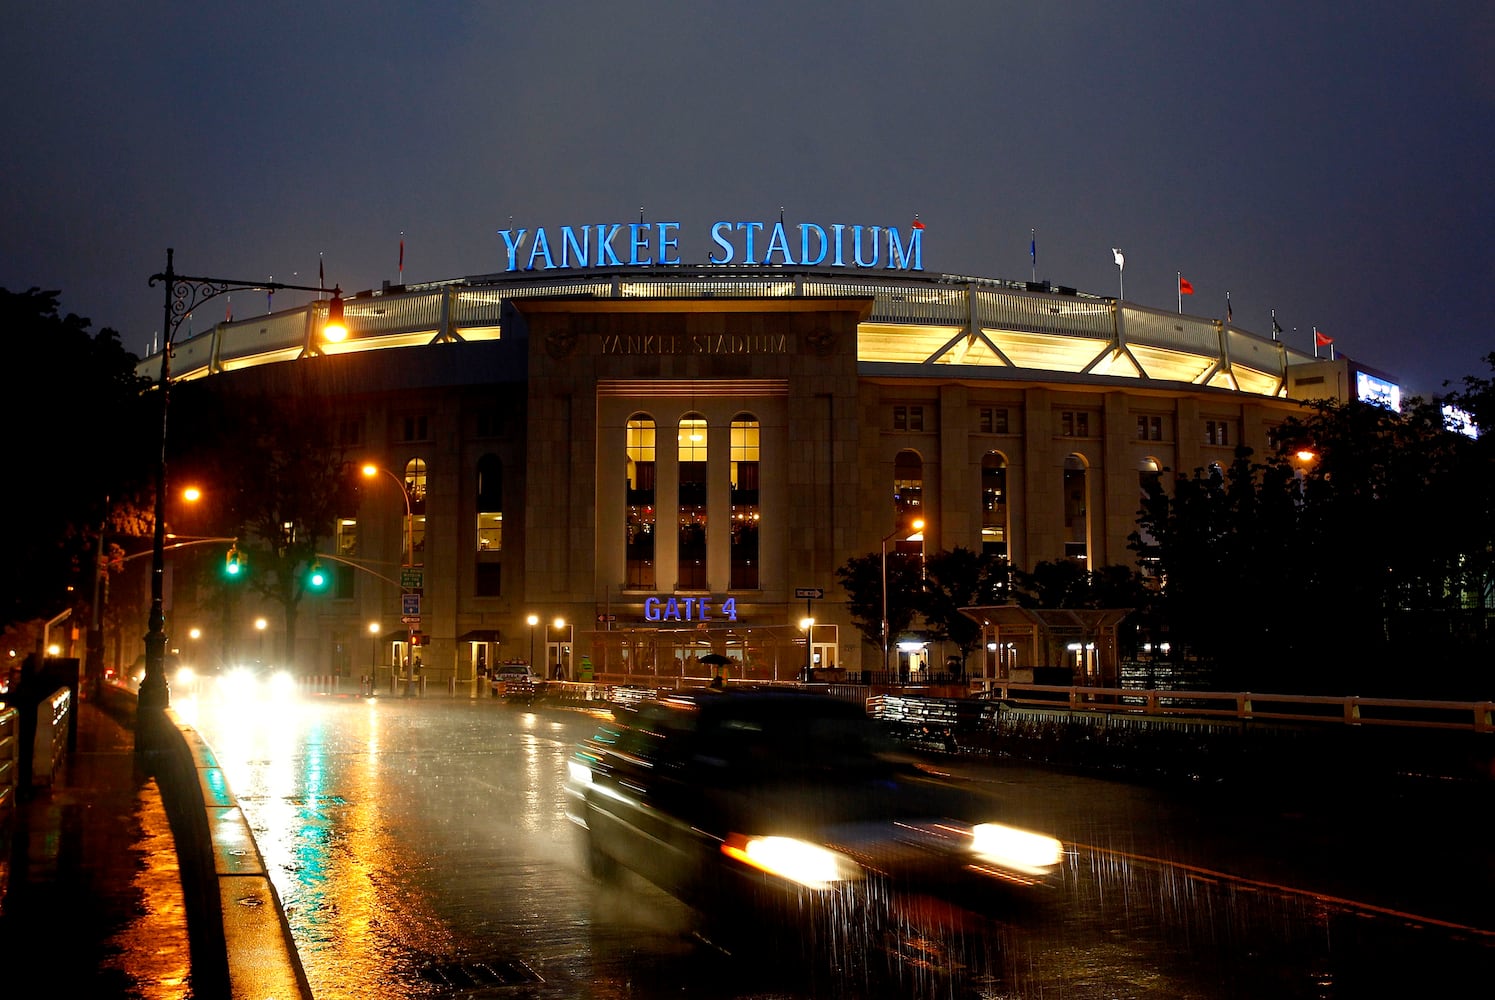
(1178,284)
(1315,341)
(1033,252)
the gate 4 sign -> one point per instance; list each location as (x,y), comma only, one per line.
(409,604)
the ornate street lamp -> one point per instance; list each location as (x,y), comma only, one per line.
(407,560)
(183,294)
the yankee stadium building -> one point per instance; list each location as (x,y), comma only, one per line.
(615,464)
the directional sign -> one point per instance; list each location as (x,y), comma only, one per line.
(607,618)
(808,593)
(410,620)
(412,579)
(410,604)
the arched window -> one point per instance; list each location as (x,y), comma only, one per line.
(415,531)
(994,504)
(490,504)
(639,511)
(745,509)
(1076,510)
(908,485)
(692,451)
(1149,478)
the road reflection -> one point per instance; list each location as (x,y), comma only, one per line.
(420,849)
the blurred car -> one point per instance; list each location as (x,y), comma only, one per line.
(254,679)
(786,811)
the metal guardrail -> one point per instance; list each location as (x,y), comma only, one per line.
(1471,716)
(10,759)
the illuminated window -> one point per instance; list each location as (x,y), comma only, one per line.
(1217,432)
(692,451)
(639,513)
(415,531)
(745,509)
(490,504)
(994,504)
(908,418)
(908,493)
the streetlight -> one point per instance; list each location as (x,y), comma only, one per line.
(373,654)
(808,624)
(560,625)
(407,559)
(183,294)
(532,621)
(917,525)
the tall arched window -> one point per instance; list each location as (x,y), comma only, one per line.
(691,448)
(994,504)
(745,510)
(1076,510)
(908,485)
(639,511)
(415,531)
(490,504)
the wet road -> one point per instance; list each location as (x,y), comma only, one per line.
(420,849)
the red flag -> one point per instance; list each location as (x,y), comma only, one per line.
(1319,340)
(1185,287)
(917,223)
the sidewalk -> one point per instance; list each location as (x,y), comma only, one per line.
(91,900)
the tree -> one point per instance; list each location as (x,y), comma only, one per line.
(95,424)
(284,479)
(962,578)
(862,579)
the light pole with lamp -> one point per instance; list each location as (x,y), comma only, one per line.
(373,655)
(916,525)
(808,624)
(560,655)
(407,559)
(183,294)
(532,621)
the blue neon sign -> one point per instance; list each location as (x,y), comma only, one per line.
(645,244)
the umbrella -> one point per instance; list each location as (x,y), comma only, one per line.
(716,660)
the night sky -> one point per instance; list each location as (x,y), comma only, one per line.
(1332,161)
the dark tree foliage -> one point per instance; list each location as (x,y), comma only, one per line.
(1354,560)
(861,578)
(962,578)
(78,410)
(280,479)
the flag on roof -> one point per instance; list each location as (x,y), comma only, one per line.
(1185,286)
(1319,340)
(1120,257)
(917,223)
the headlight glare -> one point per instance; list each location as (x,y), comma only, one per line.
(1011,847)
(799,861)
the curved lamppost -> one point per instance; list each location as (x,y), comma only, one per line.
(916,525)
(183,294)
(407,559)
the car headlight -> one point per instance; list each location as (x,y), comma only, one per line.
(281,683)
(800,861)
(185,676)
(1010,847)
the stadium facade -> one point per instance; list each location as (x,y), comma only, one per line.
(673,460)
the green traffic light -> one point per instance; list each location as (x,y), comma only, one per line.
(234,563)
(317,578)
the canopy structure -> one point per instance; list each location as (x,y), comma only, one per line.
(1049,645)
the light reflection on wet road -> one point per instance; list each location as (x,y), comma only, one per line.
(414,841)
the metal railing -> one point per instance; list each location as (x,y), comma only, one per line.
(1352,710)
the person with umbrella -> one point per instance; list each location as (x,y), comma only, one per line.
(718,664)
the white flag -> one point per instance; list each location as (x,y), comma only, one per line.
(1120,257)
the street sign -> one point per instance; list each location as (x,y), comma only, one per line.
(412,579)
(410,604)
(809,593)
(410,620)
(607,618)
